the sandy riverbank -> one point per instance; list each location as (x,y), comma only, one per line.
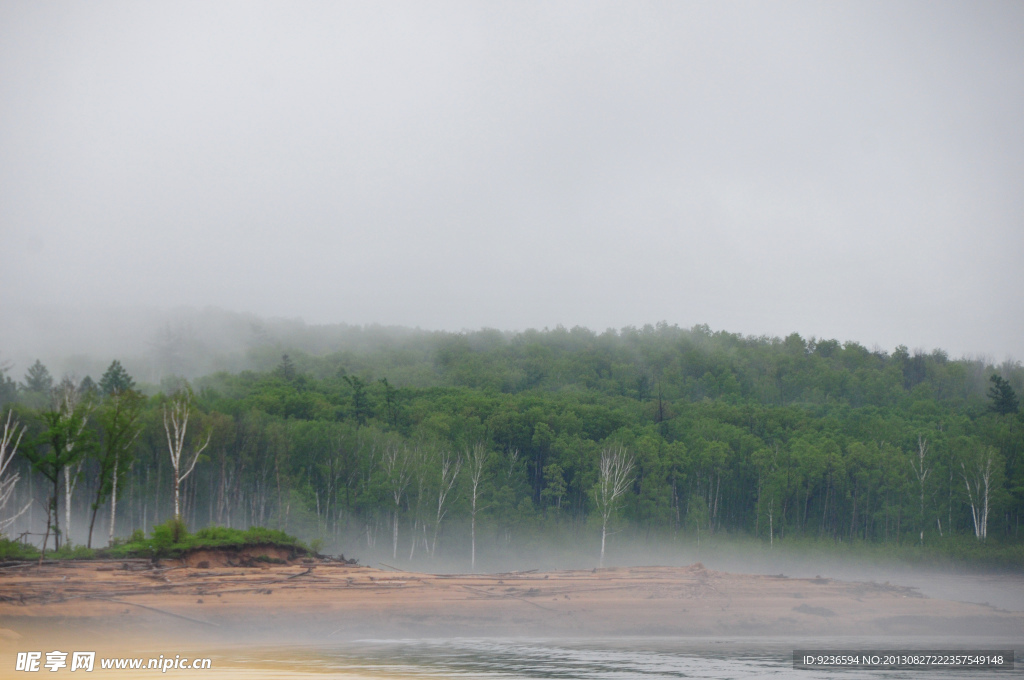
(323,601)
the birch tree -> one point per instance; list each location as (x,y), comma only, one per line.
(65,441)
(119,419)
(177,412)
(223,443)
(921,471)
(329,457)
(69,399)
(476,458)
(614,477)
(978,473)
(418,463)
(366,475)
(766,461)
(449,469)
(13,432)
(395,461)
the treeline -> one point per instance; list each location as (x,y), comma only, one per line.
(502,435)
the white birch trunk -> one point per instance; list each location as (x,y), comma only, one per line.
(978,482)
(70,482)
(614,478)
(922,474)
(68,400)
(176,419)
(449,473)
(476,457)
(8,481)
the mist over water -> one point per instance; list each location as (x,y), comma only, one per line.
(568,659)
(1004,590)
(299,651)
(579,550)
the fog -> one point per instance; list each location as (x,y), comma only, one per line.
(397,632)
(737,555)
(847,170)
(192,187)
(579,549)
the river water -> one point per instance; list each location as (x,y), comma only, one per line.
(618,659)
(638,658)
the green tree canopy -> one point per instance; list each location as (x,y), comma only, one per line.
(38,378)
(116,380)
(1004,400)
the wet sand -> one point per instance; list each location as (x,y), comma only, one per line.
(320,602)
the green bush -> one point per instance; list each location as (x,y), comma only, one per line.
(13,550)
(170,534)
(255,535)
(172,539)
(218,534)
(72,552)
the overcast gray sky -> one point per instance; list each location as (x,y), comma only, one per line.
(848,170)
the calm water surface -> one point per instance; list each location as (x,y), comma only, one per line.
(620,659)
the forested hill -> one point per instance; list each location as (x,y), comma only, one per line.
(761,436)
(685,364)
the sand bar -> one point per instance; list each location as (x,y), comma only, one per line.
(310,601)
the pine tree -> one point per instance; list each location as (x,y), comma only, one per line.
(116,380)
(286,369)
(87,386)
(38,379)
(1004,400)
(8,388)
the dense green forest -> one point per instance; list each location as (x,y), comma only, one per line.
(415,441)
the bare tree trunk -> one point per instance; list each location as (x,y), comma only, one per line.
(210,500)
(921,471)
(176,419)
(614,478)
(449,473)
(8,481)
(221,491)
(92,523)
(978,481)
(604,533)
(113,500)
(70,482)
(177,493)
(396,463)
(68,398)
(394,542)
(46,536)
(144,497)
(155,495)
(476,457)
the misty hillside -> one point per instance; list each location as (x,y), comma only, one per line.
(355,433)
(684,363)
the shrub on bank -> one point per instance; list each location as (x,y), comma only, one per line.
(15,550)
(172,539)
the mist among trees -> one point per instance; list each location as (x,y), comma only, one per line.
(418,442)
